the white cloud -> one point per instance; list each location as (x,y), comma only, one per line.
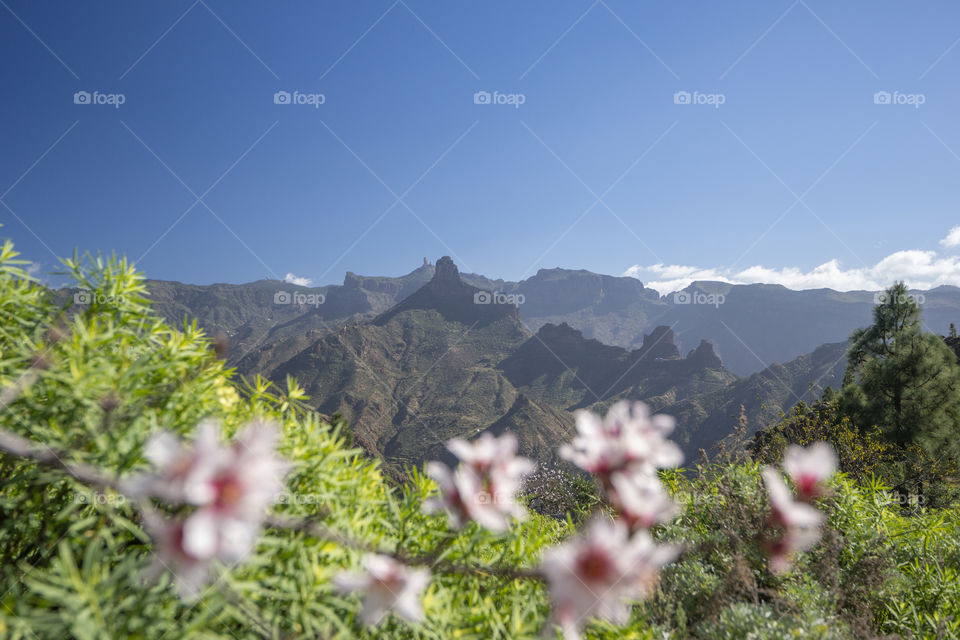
(952,239)
(919,269)
(292,279)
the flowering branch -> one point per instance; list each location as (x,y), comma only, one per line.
(229,489)
(431,559)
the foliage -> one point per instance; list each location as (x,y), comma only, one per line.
(110,373)
(73,558)
(864,453)
(903,380)
(556,492)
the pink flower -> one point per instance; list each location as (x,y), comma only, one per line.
(232,486)
(484,486)
(466,496)
(809,467)
(177,463)
(387,585)
(450,499)
(484,452)
(797,523)
(640,499)
(593,575)
(495,460)
(189,572)
(627,437)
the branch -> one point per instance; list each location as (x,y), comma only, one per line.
(18,446)
(430,559)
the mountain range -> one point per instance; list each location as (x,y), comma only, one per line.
(751,326)
(415,360)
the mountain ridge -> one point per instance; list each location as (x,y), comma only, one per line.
(752,326)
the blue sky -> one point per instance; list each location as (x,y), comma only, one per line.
(798,177)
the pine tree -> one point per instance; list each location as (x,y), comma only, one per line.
(903,380)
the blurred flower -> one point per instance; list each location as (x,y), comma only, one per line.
(627,437)
(450,499)
(651,557)
(491,456)
(797,523)
(177,463)
(483,452)
(809,467)
(232,486)
(387,584)
(641,499)
(591,576)
(484,486)
(189,572)
(465,497)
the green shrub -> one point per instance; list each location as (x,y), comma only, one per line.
(101,378)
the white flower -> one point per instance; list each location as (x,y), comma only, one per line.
(189,572)
(387,584)
(627,437)
(593,575)
(641,499)
(177,463)
(232,486)
(450,499)
(787,511)
(651,557)
(494,459)
(809,467)
(484,452)
(465,497)
(798,523)
(484,486)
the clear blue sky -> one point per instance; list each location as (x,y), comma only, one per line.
(292,188)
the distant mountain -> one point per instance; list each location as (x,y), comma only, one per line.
(750,326)
(449,361)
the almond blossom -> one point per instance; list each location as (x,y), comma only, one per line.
(641,499)
(593,575)
(797,523)
(809,467)
(484,486)
(232,486)
(626,438)
(190,573)
(387,584)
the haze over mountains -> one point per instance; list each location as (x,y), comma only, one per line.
(750,326)
(415,360)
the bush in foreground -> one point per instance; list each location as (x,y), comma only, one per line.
(88,388)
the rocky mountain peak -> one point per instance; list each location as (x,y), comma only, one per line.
(446,272)
(705,355)
(456,300)
(659,344)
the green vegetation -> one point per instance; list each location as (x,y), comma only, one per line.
(93,382)
(902,379)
